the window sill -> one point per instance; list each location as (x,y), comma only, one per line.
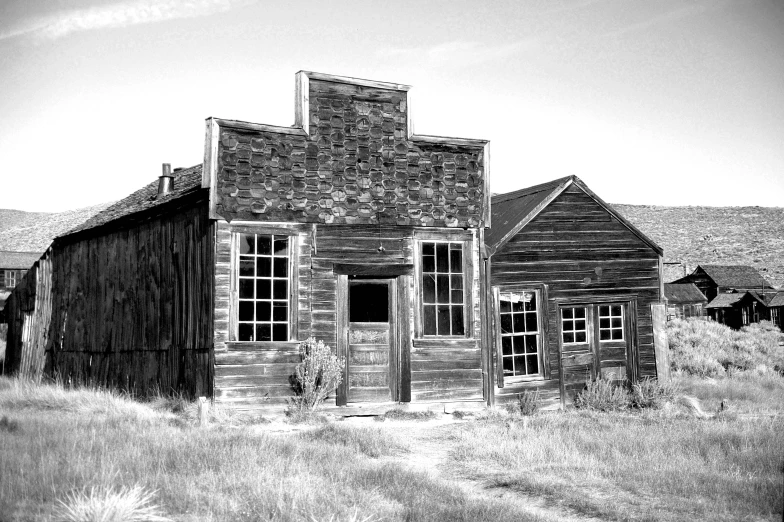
(508,381)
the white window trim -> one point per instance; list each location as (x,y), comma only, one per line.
(585,319)
(292,320)
(540,318)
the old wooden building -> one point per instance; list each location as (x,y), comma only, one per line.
(684,300)
(13,267)
(574,291)
(718,279)
(347,227)
(350,228)
(739,309)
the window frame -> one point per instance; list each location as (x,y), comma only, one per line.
(540,294)
(466,238)
(292,298)
(611,317)
(587,319)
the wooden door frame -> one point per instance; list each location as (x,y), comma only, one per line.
(592,304)
(398,364)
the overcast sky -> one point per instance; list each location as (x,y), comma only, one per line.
(665,103)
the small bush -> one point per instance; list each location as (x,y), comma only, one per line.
(318,375)
(602,395)
(401,414)
(650,393)
(527,403)
(110,505)
(8,425)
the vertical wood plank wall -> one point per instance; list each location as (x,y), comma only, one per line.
(28,312)
(129,308)
(253,375)
(581,252)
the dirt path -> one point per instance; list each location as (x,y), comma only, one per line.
(430,444)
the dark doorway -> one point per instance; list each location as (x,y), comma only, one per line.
(368,302)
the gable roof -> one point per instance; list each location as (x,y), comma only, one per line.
(777,300)
(735,276)
(725,300)
(18,260)
(683,293)
(510,212)
(185,181)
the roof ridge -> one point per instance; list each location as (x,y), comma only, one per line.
(532,189)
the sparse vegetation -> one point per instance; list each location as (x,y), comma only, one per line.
(401,414)
(603,395)
(110,505)
(318,375)
(526,403)
(709,349)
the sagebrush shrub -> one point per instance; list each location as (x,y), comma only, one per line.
(709,349)
(650,393)
(603,395)
(526,403)
(318,375)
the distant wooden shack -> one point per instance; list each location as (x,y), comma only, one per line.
(350,228)
(13,267)
(684,300)
(737,309)
(573,284)
(713,280)
(776,310)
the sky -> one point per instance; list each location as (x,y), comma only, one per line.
(656,103)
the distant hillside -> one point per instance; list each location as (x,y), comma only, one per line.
(690,235)
(720,235)
(33,231)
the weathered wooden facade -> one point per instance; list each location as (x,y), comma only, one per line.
(125,299)
(684,300)
(574,288)
(349,228)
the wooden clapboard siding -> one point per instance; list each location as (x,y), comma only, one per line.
(423,369)
(580,251)
(125,305)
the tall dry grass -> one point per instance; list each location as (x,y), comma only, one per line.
(646,466)
(71,441)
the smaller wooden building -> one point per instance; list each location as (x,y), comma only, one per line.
(13,267)
(738,309)
(776,310)
(576,291)
(713,280)
(684,300)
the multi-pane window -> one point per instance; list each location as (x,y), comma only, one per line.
(611,323)
(443,299)
(775,317)
(263,288)
(10,278)
(574,328)
(519,335)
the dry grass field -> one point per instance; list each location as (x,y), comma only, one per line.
(67,453)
